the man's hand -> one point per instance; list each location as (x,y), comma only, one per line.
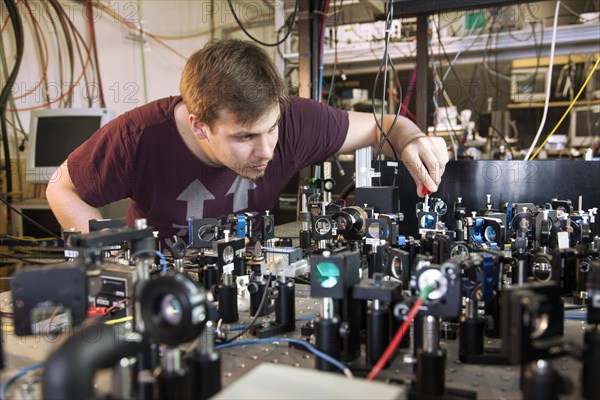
(426,158)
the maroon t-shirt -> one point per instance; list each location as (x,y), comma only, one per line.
(141,156)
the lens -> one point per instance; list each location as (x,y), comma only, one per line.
(373,230)
(427,221)
(440,207)
(327,274)
(171,309)
(342,224)
(228,254)
(540,325)
(268,225)
(541,270)
(323,226)
(396,265)
(459,253)
(490,234)
(205,233)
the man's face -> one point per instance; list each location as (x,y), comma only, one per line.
(243,149)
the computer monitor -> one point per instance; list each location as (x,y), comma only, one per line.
(585,125)
(528,85)
(40,212)
(54,133)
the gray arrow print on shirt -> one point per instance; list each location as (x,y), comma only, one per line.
(240,189)
(195,195)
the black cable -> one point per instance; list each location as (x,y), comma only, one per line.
(289,21)
(17,26)
(538,49)
(335,47)
(335,63)
(58,47)
(255,39)
(27,260)
(473,101)
(383,66)
(5,201)
(347,190)
(52,19)
(37,29)
(442,85)
(94,45)
(18,130)
(486,51)
(63,24)
(263,300)
(78,35)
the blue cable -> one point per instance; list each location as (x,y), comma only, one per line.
(305,319)
(576,316)
(310,348)
(237,328)
(21,373)
(163,261)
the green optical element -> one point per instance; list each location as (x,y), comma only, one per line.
(327,274)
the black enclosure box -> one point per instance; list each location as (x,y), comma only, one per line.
(510,181)
(383,199)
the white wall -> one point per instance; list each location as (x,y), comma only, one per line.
(121,60)
(119,48)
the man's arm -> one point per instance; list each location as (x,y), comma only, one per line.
(70,210)
(424,156)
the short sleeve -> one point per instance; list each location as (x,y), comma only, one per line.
(312,132)
(101,168)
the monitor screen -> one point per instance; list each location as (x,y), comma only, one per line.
(57,137)
(584,130)
(40,212)
(43,217)
(55,133)
(528,84)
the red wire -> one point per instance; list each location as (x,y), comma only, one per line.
(403,107)
(94,47)
(409,92)
(389,351)
(52,319)
(114,306)
(409,113)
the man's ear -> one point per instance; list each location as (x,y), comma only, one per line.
(199,128)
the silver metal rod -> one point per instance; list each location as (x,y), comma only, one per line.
(522,272)
(375,305)
(171,361)
(363,159)
(121,379)
(227,279)
(471,308)
(431,328)
(327,308)
(207,339)
(179,265)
